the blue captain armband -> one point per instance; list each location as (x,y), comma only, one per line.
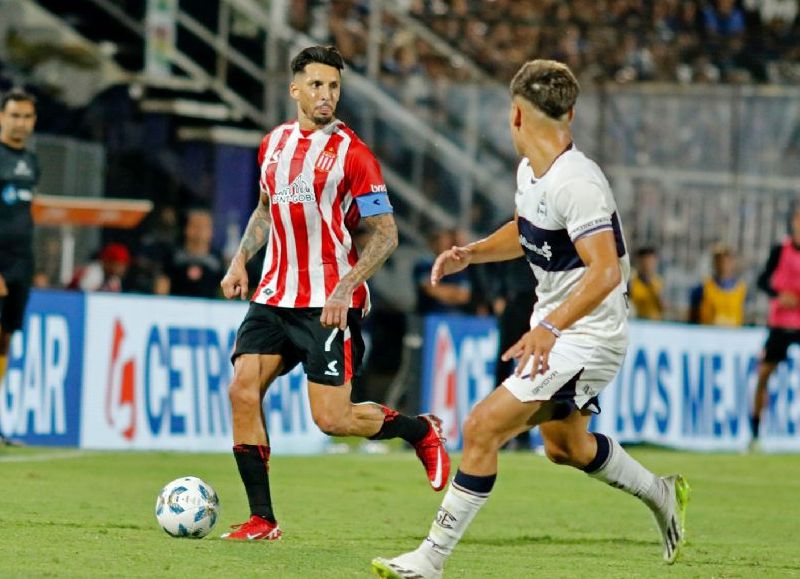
(373,204)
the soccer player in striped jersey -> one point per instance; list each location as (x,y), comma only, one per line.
(318,182)
(567,227)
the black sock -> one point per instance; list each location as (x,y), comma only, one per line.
(603,452)
(253,463)
(755,425)
(476,485)
(396,425)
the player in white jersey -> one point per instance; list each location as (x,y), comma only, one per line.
(568,228)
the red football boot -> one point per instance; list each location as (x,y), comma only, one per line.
(255,529)
(432,453)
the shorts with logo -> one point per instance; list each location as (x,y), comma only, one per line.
(778,342)
(329,356)
(578,371)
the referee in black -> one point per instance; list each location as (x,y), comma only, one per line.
(19,173)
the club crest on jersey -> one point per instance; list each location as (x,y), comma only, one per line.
(326,160)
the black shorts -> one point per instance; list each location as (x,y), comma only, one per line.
(329,356)
(12,306)
(778,343)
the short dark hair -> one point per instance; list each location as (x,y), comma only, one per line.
(549,85)
(646,250)
(16,94)
(322,54)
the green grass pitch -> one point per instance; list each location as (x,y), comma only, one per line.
(66,513)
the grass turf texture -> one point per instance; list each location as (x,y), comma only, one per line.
(70,514)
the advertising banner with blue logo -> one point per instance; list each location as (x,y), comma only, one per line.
(458,365)
(681,386)
(40,397)
(160,369)
(691,387)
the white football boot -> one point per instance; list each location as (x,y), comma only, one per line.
(671,518)
(413,565)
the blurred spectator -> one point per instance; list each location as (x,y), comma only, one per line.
(106,273)
(453,294)
(195,269)
(646,286)
(158,244)
(41,280)
(723,18)
(720,299)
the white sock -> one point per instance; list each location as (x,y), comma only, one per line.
(458,509)
(623,472)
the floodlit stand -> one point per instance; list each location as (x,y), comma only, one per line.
(67,212)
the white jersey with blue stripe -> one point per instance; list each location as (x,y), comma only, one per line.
(570,201)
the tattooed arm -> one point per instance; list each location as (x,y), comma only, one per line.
(235,282)
(380,245)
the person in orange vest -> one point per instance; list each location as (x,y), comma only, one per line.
(781,280)
(646,286)
(720,299)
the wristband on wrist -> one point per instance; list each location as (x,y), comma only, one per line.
(551,328)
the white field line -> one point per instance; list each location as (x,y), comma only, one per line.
(45,457)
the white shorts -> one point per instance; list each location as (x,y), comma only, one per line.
(578,372)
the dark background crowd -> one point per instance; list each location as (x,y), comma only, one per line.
(712,41)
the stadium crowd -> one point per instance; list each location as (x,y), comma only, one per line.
(709,41)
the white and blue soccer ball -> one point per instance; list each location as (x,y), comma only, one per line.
(187,507)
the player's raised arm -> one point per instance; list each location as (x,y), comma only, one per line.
(501,245)
(235,282)
(381,242)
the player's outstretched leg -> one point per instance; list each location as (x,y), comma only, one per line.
(666,497)
(423,432)
(335,415)
(465,497)
(490,424)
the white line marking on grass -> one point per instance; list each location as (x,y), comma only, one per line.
(44,457)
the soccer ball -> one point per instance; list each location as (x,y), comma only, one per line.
(187,507)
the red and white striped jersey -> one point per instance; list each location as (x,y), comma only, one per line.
(312,179)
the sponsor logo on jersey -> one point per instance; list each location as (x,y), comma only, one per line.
(326,160)
(546,251)
(23,169)
(541,210)
(10,194)
(300,191)
(381,188)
